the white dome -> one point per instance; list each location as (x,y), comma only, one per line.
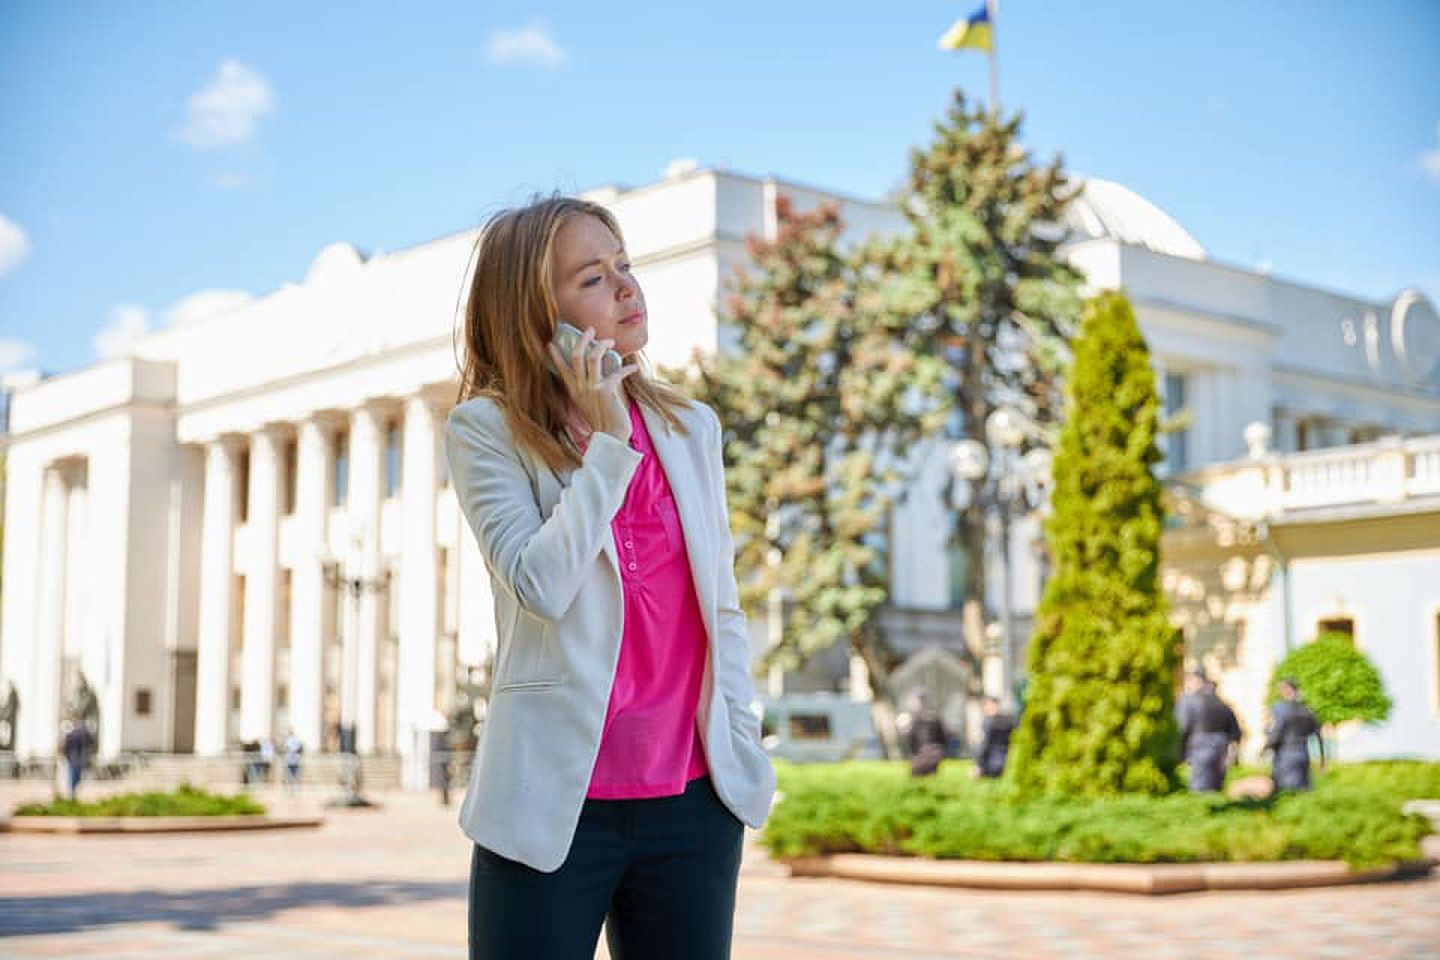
(1105,209)
(337,259)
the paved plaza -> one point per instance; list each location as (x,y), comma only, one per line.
(390,884)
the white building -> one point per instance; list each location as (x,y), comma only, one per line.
(177,521)
(1275,549)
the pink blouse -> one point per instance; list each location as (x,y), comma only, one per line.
(650,746)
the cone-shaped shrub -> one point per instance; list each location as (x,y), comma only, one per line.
(1099,710)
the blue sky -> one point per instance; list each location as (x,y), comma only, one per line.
(161,159)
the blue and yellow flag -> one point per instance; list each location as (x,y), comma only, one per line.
(972,32)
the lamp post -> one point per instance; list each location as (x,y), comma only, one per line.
(355,586)
(1003,480)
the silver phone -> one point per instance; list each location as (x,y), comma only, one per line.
(566,337)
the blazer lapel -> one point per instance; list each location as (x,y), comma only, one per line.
(675,457)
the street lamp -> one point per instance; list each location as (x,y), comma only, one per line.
(356,587)
(1001,481)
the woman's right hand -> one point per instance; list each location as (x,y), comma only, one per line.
(600,401)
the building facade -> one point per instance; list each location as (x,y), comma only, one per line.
(245,527)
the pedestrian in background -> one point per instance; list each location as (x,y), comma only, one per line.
(995,731)
(927,736)
(77,747)
(1292,724)
(293,749)
(1209,732)
(620,754)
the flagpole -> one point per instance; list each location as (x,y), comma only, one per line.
(993,7)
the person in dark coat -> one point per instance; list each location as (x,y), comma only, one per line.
(995,731)
(77,747)
(1208,730)
(927,736)
(1292,724)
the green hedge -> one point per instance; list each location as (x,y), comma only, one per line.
(186,801)
(875,807)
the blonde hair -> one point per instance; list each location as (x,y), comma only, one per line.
(510,318)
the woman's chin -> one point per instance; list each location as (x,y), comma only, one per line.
(632,344)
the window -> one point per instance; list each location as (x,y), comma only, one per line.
(340,480)
(242,486)
(237,613)
(959,574)
(292,468)
(1345,625)
(1176,445)
(809,726)
(142,701)
(283,608)
(392,458)
(1437,657)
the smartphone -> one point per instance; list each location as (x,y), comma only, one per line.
(566,337)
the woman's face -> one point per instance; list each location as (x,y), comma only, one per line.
(593,285)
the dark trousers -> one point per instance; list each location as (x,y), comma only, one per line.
(660,873)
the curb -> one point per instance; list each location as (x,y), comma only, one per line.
(76,825)
(1152,879)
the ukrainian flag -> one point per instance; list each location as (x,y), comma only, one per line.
(972,32)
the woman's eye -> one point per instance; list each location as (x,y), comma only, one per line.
(590,281)
(625,266)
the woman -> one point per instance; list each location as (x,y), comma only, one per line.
(619,756)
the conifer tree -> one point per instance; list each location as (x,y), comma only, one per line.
(1098,714)
(813,403)
(979,278)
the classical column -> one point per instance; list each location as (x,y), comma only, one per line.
(23,534)
(42,714)
(419,620)
(217,549)
(315,462)
(262,582)
(367,444)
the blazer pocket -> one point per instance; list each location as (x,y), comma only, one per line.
(530,661)
(527,686)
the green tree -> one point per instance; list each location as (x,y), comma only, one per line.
(1099,707)
(1337,681)
(813,402)
(980,282)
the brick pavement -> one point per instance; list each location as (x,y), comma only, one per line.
(391,884)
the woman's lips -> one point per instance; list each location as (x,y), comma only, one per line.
(635,317)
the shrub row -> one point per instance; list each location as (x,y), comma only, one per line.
(186,801)
(1353,815)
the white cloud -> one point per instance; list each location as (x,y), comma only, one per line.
(529,47)
(1430,159)
(203,305)
(15,354)
(225,111)
(128,323)
(14,245)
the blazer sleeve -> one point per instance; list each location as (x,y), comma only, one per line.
(733,644)
(541,561)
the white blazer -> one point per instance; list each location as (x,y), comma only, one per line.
(559,612)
